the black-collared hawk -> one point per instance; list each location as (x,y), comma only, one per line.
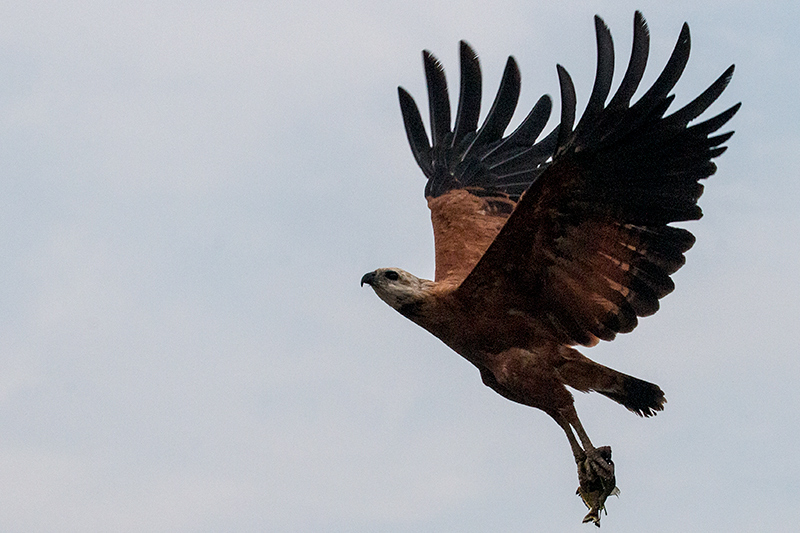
(547,242)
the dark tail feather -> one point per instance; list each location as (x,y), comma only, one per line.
(639,396)
(583,374)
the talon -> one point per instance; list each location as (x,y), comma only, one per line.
(597,481)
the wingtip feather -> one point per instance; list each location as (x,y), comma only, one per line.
(469,100)
(568,103)
(438,98)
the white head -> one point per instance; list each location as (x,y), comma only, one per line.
(398,288)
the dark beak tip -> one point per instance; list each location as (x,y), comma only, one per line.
(367,278)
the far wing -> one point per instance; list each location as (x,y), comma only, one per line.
(588,248)
(475,175)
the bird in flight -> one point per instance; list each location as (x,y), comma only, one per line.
(546,243)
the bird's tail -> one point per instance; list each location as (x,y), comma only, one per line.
(641,397)
(583,374)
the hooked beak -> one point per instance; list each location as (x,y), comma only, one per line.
(368,278)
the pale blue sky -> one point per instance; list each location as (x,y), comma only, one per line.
(191,192)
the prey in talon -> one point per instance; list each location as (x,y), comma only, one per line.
(597,482)
(545,241)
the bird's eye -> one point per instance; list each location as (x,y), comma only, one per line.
(392,275)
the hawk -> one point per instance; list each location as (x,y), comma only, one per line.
(542,245)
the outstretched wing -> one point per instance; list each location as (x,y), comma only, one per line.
(588,248)
(475,175)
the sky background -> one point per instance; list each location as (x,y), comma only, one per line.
(191,192)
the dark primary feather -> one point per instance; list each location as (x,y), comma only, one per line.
(588,248)
(603,75)
(437,96)
(415,131)
(469,101)
(468,156)
(636,65)
(568,102)
(502,108)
